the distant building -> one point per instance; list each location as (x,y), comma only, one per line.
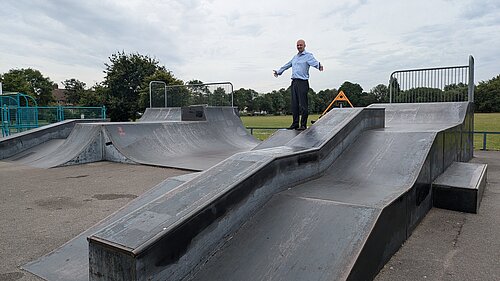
(59,95)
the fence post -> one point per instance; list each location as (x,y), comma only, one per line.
(150,97)
(5,121)
(103,112)
(470,95)
(484,141)
(58,113)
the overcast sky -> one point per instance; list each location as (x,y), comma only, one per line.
(243,41)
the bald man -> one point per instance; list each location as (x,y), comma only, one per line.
(300,64)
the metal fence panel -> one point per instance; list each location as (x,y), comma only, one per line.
(212,94)
(439,84)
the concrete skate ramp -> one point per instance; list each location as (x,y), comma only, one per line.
(52,133)
(429,116)
(293,212)
(346,224)
(192,145)
(83,145)
(161,114)
(337,213)
(187,225)
(278,138)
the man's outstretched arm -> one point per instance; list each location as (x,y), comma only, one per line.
(282,69)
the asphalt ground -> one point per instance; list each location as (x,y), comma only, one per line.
(41,209)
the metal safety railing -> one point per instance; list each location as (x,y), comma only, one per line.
(496,144)
(439,84)
(51,114)
(214,94)
(21,118)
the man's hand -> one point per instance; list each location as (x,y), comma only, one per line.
(275,73)
(320,67)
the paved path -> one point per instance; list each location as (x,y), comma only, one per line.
(450,245)
(41,209)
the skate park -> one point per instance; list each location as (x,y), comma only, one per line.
(334,202)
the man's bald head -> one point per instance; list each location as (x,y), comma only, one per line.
(301,45)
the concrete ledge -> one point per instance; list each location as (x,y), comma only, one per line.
(460,187)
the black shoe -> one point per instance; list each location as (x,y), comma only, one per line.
(293,127)
(301,128)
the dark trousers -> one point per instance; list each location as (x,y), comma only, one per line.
(300,103)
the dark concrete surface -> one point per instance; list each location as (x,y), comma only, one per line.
(41,209)
(188,224)
(450,245)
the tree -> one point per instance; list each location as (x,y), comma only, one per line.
(380,93)
(94,96)
(278,103)
(313,100)
(220,97)
(286,95)
(198,92)
(394,89)
(31,82)
(487,95)
(455,92)
(263,103)
(74,89)
(324,98)
(175,96)
(125,77)
(353,92)
(419,94)
(243,99)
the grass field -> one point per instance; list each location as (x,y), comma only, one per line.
(485,122)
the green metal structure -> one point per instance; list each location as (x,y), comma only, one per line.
(20,112)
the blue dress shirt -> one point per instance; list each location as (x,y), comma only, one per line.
(300,64)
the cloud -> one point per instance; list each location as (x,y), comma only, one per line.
(242,41)
(480,9)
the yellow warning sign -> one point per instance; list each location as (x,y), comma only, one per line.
(341,97)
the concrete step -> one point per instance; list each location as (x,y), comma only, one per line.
(460,187)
